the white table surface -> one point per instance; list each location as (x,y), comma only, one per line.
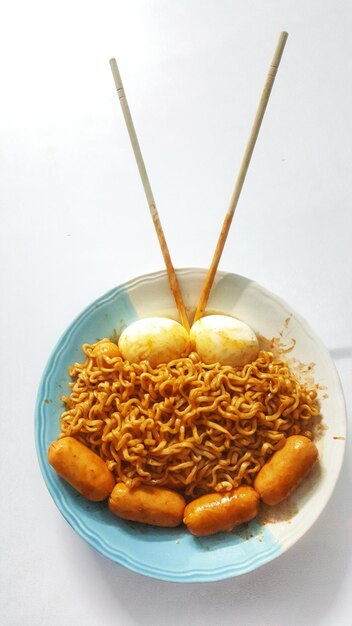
(74,223)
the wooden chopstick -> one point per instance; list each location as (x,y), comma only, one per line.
(241,175)
(174,285)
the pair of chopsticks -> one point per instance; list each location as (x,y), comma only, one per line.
(175,288)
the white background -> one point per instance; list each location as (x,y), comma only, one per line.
(74,223)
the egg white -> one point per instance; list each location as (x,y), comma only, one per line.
(156,339)
(224,339)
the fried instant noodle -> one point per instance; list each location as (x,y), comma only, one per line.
(186,425)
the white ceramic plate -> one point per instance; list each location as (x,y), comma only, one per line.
(174,554)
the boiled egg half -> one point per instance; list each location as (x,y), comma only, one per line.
(224,339)
(157,339)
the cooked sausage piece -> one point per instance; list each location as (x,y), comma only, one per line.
(105,347)
(82,468)
(286,469)
(217,512)
(151,505)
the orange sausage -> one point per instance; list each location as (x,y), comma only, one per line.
(286,469)
(105,347)
(151,505)
(217,512)
(82,468)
